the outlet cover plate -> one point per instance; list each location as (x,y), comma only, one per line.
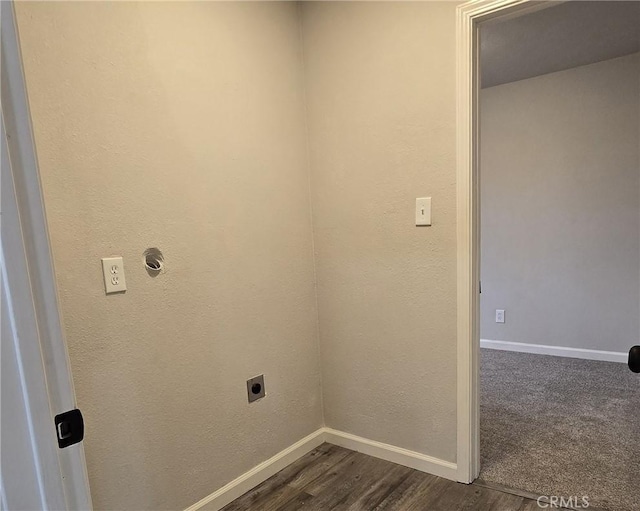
(113,272)
(255,388)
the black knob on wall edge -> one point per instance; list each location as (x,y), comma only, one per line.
(634,359)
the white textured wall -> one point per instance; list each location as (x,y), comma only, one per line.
(560,175)
(181,126)
(380,86)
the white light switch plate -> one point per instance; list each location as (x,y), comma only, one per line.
(113,271)
(423,211)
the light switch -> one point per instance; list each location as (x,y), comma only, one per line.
(423,211)
(113,271)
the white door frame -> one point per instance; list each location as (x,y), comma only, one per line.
(468,16)
(31,289)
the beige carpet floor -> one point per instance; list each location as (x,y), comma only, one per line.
(561,426)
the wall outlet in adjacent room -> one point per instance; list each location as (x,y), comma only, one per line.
(255,388)
(499,315)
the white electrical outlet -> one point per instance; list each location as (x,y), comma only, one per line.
(113,271)
(499,315)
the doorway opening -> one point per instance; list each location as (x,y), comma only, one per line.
(557,228)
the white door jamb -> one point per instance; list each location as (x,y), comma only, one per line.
(468,16)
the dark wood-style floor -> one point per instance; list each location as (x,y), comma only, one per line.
(332,477)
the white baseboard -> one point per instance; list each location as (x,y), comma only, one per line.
(394,454)
(558,351)
(239,486)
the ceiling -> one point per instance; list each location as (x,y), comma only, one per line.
(567,35)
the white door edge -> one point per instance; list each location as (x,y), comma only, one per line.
(35,250)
